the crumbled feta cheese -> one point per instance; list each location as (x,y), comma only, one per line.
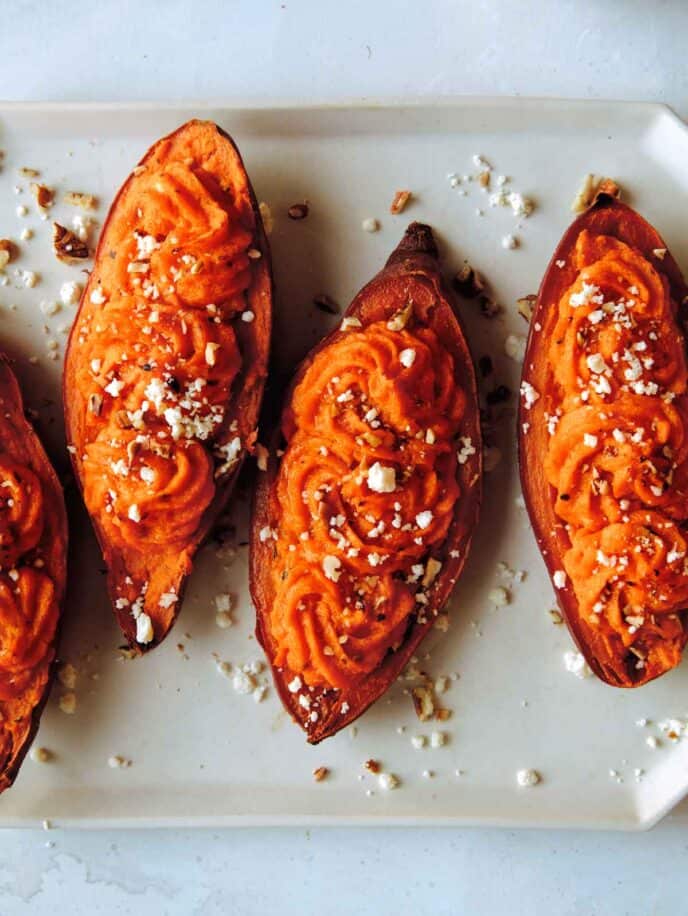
(211,349)
(589,440)
(387,781)
(381,479)
(407,357)
(419,741)
(98,297)
(596,363)
(370,224)
(520,205)
(509,242)
(295,685)
(49,307)
(515,347)
(559,578)
(348,323)
(529,395)
(438,739)
(134,513)
(424,519)
(588,293)
(527,778)
(81,225)
(41,754)
(114,387)
(575,663)
(332,567)
(243,682)
(467,449)
(499,596)
(70,292)
(223,619)
(248,316)
(144,629)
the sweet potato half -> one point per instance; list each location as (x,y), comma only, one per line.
(166,365)
(603,435)
(33,571)
(363,520)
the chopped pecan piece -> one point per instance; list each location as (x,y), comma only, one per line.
(298,211)
(525,306)
(468,282)
(68,246)
(77,199)
(7,252)
(43,195)
(591,189)
(398,205)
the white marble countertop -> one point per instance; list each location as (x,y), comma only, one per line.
(300,51)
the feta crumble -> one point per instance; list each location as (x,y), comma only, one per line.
(332,567)
(381,479)
(575,663)
(424,519)
(559,578)
(528,778)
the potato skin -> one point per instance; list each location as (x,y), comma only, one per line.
(415,262)
(20,441)
(607,216)
(224,161)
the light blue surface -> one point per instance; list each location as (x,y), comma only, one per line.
(334,50)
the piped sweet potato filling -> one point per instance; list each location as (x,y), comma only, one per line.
(156,359)
(617,455)
(366,492)
(29,604)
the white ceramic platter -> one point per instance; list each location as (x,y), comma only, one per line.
(202,753)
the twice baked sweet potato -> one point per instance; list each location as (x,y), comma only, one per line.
(604,442)
(363,521)
(165,367)
(33,564)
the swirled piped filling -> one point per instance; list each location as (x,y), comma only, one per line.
(617,455)
(28,603)
(366,491)
(158,356)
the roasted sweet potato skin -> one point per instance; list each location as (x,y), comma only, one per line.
(618,656)
(166,365)
(410,287)
(33,561)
